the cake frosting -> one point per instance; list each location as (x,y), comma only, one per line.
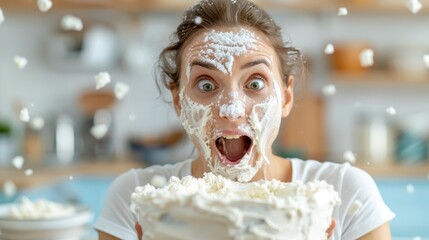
(214,207)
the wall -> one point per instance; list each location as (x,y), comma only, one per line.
(52,90)
(48,90)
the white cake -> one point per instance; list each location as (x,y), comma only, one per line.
(214,207)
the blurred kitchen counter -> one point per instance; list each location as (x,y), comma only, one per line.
(396,170)
(48,174)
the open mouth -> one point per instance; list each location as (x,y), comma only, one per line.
(233,148)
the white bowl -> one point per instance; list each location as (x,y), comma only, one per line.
(63,228)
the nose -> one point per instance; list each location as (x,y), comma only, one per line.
(232,110)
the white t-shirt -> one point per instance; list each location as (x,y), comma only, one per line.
(351,183)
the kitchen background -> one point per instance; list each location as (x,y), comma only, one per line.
(378,115)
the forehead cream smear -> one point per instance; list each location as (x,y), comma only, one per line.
(223,46)
(219,50)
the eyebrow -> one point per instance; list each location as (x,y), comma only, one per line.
(203,64)
(213,67)
(254,63)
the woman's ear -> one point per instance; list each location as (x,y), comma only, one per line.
(174,89)
(288,97)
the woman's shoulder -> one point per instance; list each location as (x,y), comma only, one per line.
(342,174)
(313,169)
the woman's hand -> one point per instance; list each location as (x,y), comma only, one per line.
(139,231)
(330,230)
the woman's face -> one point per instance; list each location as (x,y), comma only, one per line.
(231,99)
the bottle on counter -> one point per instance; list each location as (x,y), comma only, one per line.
(376,139)
(65,139)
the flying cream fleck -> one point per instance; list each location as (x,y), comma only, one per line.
(28,172)
(121,89)
(410,188)
(18,162)
(342,11)
(366,58)
(329,90)
(426,60)
(414,6)
(101,80)
(1,16)
(37,123)
(99,131)
(329,49)
(391,111)
(21,62)
(70,22)
(44,5)
(24,115)
(349,156)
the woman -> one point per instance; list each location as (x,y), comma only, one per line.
(231,77)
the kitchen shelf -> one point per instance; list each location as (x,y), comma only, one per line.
(48,174)
(396,170)
(380,79)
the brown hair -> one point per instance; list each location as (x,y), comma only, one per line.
(227,13)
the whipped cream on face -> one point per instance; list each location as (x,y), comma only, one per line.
(242,172)
(264,119)
(234,109)
(190,208)
(40,209)
(194,117)
(223,46)
(219,50)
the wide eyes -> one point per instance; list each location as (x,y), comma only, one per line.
(256,84)
(206,85)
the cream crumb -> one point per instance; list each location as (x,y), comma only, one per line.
(329,49)
(342,11)
(99,131)
(349,156)
(101,80)
(24,115)
(18,162)
(329,90)
(414,6)
(121,90)
(70,22)
(44,5)
(366,58)
(391,110)
(20,62)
